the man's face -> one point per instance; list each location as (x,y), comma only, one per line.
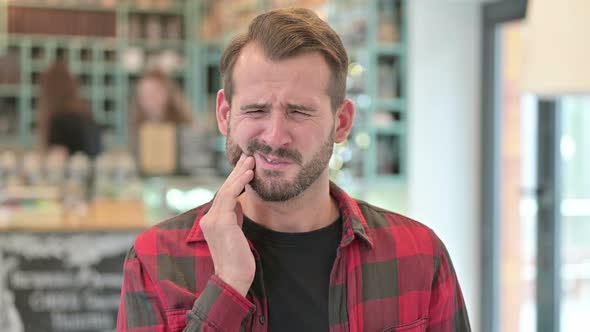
(281,115)
(152,98)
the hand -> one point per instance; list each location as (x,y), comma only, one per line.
(222,227)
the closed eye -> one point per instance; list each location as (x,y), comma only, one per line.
(255,113)
(300,110)
(254,109)
(299,113)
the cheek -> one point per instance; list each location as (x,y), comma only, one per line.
(313,133)
(233,152)
(236,139)
(243,130)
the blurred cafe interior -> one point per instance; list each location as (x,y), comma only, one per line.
(466,117)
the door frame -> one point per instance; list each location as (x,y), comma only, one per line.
(493,15)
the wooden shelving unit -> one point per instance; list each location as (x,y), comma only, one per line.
(100,42)
(374,33)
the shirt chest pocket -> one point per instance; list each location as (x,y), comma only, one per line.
(176,319)
(417,326)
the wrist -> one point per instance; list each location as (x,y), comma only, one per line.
(239,284)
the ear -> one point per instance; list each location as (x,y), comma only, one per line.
(344,119)
(222,110)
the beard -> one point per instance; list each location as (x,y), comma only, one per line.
(271,185)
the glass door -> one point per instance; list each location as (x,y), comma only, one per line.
(575,212)
(543,196)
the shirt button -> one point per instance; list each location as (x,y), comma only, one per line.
(261,319)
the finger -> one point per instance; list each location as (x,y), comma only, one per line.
(229,198)
(247,164)
(244,163)
(234,190)
(236,169)
(227,191)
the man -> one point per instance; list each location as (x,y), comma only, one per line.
(280,247)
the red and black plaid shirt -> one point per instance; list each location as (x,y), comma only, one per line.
(390,274)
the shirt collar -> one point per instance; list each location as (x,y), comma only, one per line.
(354,223)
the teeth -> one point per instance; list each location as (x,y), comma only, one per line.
(272,161)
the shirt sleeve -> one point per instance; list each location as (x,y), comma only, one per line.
(140,308)
(219,308)
(447,311)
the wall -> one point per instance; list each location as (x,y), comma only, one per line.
(444,124)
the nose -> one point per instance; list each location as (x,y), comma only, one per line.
(276,134)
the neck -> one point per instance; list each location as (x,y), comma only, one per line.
(312,209)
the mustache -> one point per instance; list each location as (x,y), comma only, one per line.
(255,145)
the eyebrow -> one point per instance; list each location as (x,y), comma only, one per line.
(254,106)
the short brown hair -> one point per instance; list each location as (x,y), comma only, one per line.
(284,33)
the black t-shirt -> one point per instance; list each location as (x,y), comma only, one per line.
(75,131)
(296,270)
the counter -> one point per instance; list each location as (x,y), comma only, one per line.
(61,270)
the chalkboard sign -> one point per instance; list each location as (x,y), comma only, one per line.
(61,281)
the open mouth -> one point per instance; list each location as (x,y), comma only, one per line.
(272,162)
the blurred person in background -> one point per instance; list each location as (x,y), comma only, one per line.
(157,98)
(65,123)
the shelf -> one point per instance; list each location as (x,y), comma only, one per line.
(94,58)
(17,39)
(98,60)
(38,65)
(81,6)
(169,10)
(9,142)
(9,90)
(110,92)
(393,49)
(83,67)
(107,67)
(156,44)
(37,4)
